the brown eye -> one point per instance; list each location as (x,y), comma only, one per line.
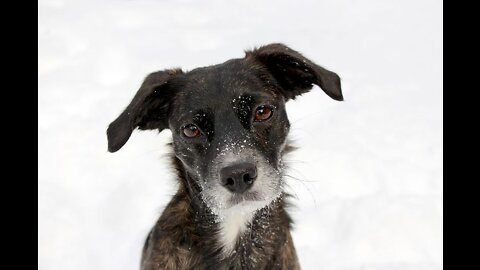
(263,113)
(191,131)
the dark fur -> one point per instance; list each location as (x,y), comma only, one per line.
(182,237)
(185,235)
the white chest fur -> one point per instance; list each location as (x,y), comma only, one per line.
(234,221)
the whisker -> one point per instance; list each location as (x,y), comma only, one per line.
(292,190)
(308,189)
(297,161)
(301,180)
(302,175)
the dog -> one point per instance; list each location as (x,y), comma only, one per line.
(229,129)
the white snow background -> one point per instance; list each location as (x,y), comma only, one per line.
(371,189)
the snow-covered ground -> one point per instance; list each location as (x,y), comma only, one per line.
(371,167)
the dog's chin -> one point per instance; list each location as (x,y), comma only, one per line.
(242,203)
(244,198)
(248,205)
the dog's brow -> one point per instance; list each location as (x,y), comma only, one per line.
(196,115)
(199,115)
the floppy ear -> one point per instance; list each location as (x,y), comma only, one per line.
(294,73)
(148,109)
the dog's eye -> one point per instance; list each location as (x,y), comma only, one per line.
(263,113)
(191,131)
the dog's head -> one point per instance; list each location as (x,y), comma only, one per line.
(228,121)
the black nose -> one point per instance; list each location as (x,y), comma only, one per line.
(238,177)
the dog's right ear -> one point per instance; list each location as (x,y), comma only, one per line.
(148,109)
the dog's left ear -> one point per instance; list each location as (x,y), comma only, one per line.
(294,73)
(148,109)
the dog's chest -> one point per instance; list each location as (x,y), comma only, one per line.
(249,240)
(232,226)
(233,223)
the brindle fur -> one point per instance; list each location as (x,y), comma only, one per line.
(184,236)
(222,97)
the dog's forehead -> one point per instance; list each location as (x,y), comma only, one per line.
(220,80)
(217,86)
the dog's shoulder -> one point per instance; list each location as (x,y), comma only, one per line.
(169,244)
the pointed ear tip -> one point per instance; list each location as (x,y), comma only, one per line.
(117,135)
(112,148)
(115,143)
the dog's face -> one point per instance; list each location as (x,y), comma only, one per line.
(229,128)
(228,121)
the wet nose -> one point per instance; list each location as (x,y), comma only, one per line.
(238,177)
